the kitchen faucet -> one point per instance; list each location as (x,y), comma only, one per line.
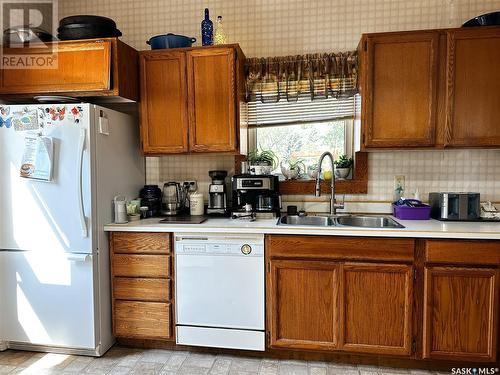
(333,206)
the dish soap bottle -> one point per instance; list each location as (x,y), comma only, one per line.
(220,36)
(207,30)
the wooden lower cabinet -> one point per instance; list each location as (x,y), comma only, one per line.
(303,304)
(461,313)
(326,302)
(377,308)
(142,282)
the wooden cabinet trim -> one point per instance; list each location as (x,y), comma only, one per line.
(368,76)
(492,329)
(473,252)
(348,248)
(357,185)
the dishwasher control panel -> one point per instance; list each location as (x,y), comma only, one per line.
(220,245)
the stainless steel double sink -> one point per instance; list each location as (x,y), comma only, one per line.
(357,221)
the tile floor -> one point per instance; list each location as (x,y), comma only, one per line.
(120,361)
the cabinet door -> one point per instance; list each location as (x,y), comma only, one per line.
(303,304)
(212,100)
(74,66)
(164,117)
(400,75)
(377,308)
(460,313)
(473,81)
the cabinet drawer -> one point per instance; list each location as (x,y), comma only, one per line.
(141,243)
(140,289)
(462,252)
(141,265)
(142,319)
(349,248)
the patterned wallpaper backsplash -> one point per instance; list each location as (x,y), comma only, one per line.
(282,27)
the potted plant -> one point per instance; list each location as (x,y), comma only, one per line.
(343,166)
(262,162)
(292,168)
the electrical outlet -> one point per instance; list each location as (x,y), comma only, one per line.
(193,186)
(399,186)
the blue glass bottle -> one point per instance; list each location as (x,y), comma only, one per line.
(207,30)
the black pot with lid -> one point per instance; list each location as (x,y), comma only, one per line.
(87,27)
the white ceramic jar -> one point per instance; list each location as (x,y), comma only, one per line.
(196,204)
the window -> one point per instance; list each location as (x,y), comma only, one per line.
(302,130)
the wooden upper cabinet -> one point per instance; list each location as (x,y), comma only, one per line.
(164,112)
(377,308)
(473,81)
(303,304)
(212,99)
(98,67)
(399,87)
(190,99)
(433,88)
(461,313)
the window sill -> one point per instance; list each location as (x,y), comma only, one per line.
(357,185)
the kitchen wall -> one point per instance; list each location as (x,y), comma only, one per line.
(282,27)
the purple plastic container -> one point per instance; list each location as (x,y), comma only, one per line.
(412,213)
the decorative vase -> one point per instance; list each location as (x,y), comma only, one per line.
(207,30)
(312,171)
(258,169)
(220,35)
(289,172)
(342,173)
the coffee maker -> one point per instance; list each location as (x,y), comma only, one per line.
(217,193)
(260,192)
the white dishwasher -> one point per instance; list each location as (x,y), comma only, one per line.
(219,286)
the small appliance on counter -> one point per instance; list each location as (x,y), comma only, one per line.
(151,198)
(171,203)
(217,193)
(455,206)
(261,192)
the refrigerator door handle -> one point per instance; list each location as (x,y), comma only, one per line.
(78,257)
(79,182)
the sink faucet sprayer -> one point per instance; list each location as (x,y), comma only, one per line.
(333,206)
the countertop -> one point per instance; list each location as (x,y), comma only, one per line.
(413,228)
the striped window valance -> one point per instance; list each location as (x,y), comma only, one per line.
(288,78)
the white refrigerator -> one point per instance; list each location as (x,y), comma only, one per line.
(61,165)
